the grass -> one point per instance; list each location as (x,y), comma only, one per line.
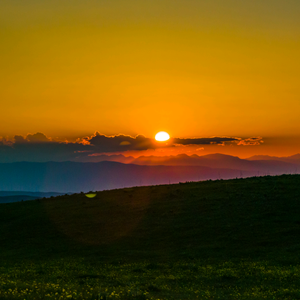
(79,279)
(233,239)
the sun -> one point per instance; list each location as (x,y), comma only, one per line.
(162,136)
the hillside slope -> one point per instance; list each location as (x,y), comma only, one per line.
(236,218)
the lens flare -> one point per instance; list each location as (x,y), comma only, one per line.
(91,195)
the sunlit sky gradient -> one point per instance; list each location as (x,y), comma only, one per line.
(191,68)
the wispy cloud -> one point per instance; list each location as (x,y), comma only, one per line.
(252,141)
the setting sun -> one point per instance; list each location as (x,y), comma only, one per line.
(162,136)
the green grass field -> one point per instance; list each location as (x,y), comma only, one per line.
(233,239)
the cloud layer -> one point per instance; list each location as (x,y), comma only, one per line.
(39,147)
(204,141)
(117,143)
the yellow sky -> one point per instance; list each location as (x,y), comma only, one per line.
(191,68)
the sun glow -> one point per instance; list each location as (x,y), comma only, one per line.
(162,136)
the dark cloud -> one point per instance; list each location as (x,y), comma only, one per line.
(37,138)
(20,139)
(41,152)
(121,142)
(204,141)
(39,148)
(32,138)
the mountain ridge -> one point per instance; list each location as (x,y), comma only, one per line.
(64,177)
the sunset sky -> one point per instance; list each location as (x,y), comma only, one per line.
(76,70)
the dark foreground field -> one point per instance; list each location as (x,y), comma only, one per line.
(235,239)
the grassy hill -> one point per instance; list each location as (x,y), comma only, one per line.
(219,238)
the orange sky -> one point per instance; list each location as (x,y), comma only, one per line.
(191,68)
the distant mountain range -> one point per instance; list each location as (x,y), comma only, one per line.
(77,176)
(295,159)
(223,161)
(16,196)
(10,199)
(211,160)
(103,157)
(27,193)
(261,163)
